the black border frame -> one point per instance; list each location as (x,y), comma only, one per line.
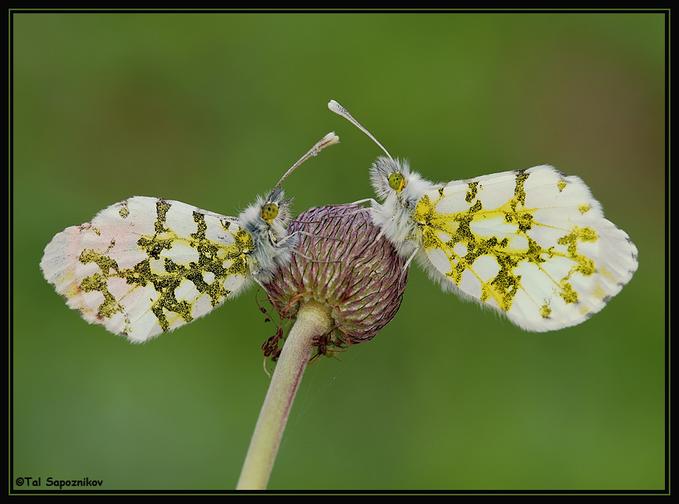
(11,490)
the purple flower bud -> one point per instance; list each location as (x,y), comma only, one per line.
(340,263)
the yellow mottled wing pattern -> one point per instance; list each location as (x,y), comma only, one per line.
(147,265)
(532,244)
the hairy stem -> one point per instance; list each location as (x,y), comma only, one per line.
(312,320)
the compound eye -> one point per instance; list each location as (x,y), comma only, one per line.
(397,181)
(269,212)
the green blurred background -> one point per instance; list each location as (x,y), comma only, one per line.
(210,110)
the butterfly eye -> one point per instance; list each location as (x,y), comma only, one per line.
(269,212)
(397,181)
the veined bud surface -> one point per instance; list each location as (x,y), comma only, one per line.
(342,263)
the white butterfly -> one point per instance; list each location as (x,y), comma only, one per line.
(148,265)
(532,244)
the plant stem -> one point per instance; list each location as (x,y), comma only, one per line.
(312,320)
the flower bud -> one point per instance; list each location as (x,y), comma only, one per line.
(343,263)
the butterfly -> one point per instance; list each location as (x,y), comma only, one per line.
(532,244)
(147,265)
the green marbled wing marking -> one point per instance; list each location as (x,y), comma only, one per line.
(146,265)
(532,244)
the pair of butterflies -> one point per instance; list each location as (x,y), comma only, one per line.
(532,244)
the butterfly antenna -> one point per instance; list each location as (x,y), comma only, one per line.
(326,141)
(341,111)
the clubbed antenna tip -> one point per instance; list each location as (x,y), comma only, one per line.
(326,141)
(341,111)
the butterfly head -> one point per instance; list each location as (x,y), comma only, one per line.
(274,210)
(269,212)
(389,176)
(397,181)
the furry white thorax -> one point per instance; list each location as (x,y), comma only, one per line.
(393,215)
(272,246)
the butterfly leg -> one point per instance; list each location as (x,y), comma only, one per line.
(311,259)
(279,242)
(372,201)
(311,235)
(306,233)
(410,259)
(339,216)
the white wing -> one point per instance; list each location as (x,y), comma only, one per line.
(532,244)
(147,265)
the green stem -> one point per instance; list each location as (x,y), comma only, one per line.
(312,320)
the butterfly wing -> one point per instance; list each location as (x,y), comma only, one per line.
(533,244)
(146,265)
